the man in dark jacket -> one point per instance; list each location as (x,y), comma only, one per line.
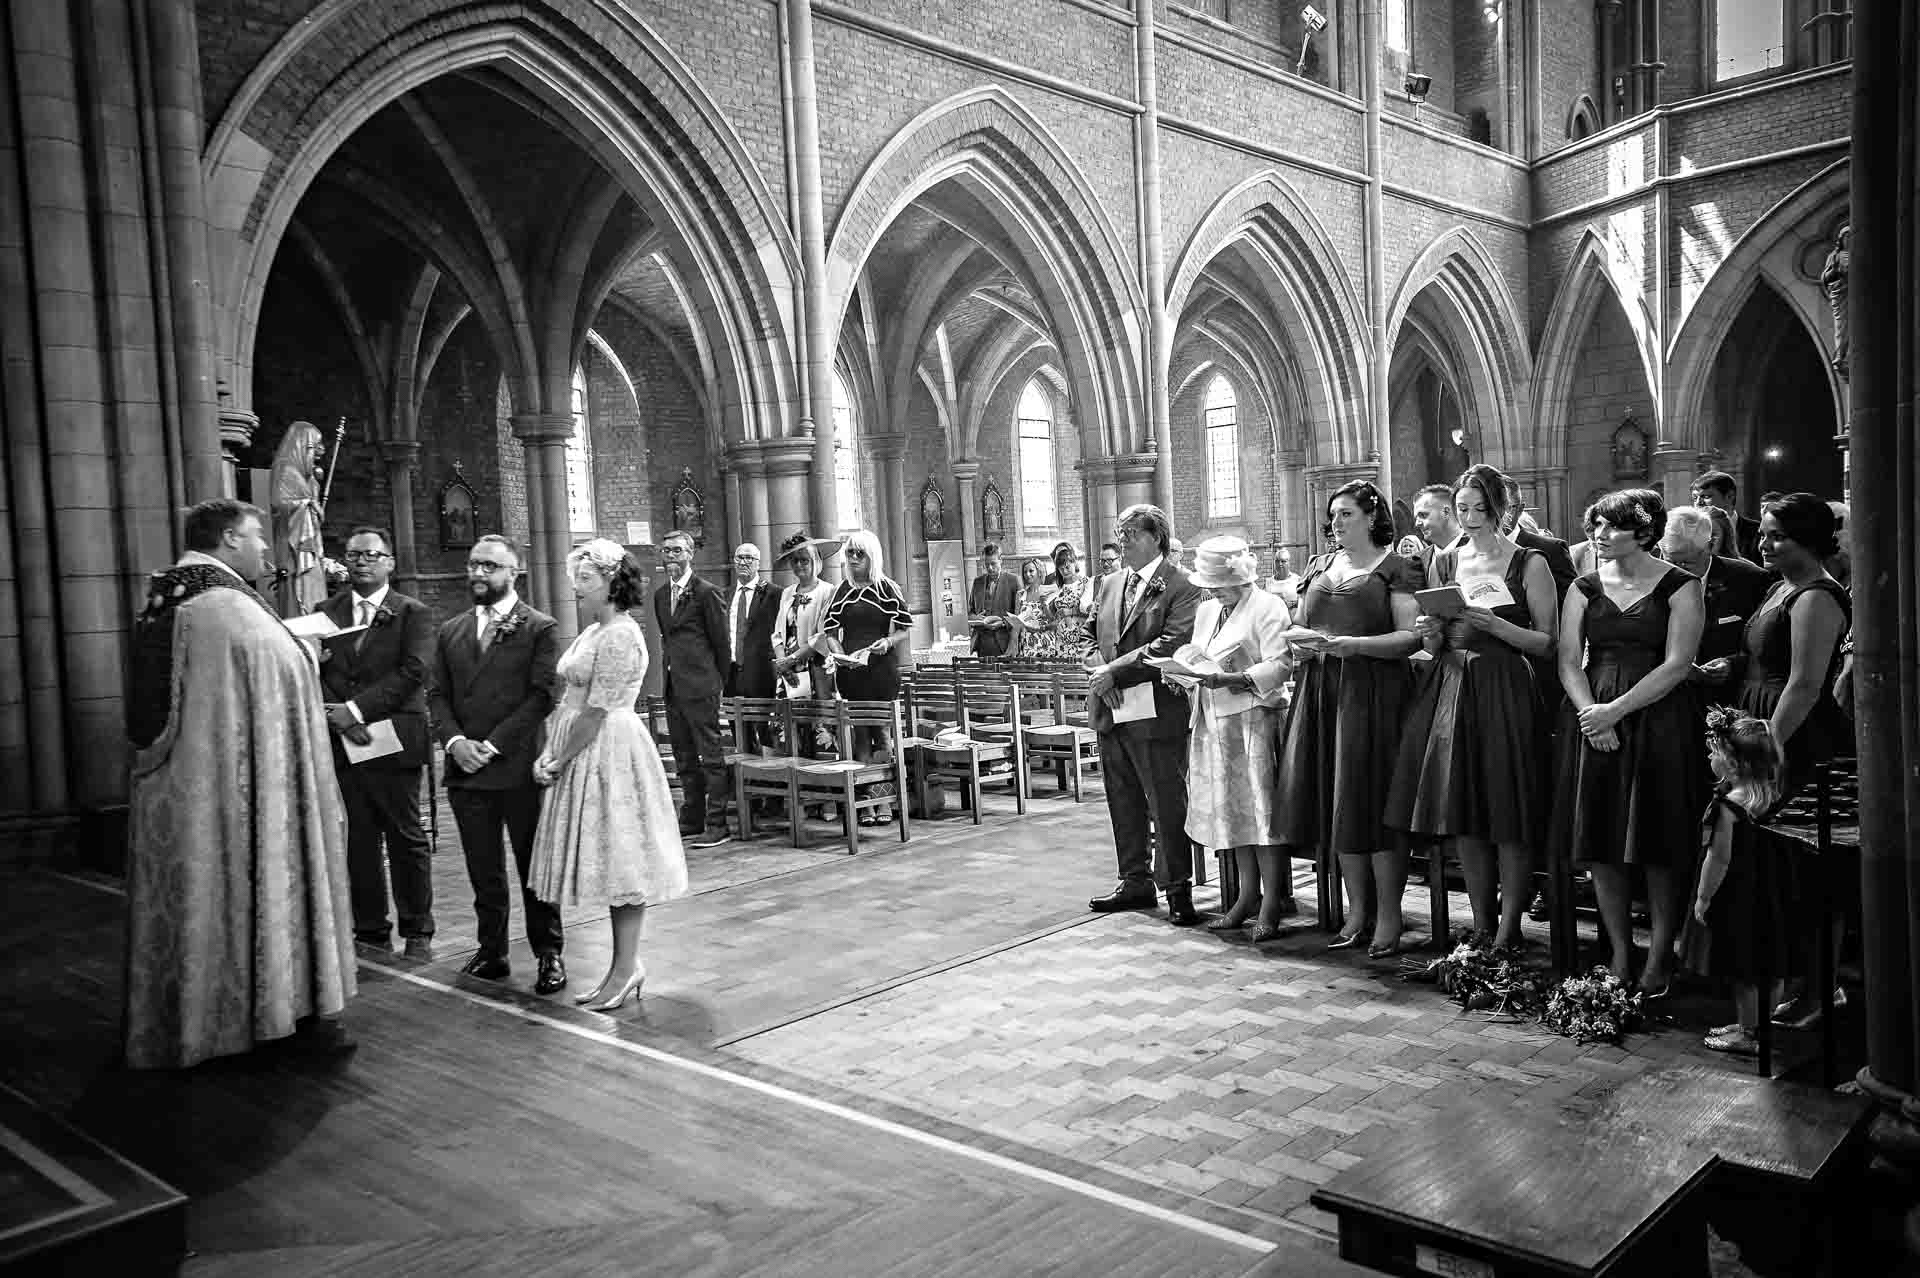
(377,675)
(752,604)
(692,615)
(990,605)
(493,677)
(1716,488)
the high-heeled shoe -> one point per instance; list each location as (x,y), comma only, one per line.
(1384,951)
(1224,924)
(590,995)
(1264,932)
(632,987)
(1345,942)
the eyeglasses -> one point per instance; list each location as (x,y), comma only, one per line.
(746,559)
(856,554)
(1128,534)
(366,556)
(487,566)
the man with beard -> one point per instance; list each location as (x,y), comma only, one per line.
(492,688)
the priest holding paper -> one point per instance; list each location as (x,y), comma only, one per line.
(373,668)
(1146,610)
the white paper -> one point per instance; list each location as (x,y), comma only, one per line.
(639,532)
(384,741)
(317,625)
(857,658)
(1486,592)
(1136,703)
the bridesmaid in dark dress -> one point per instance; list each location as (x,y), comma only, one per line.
(1632,770)
(1470,766)
(1791,648)
(868,613)
(1354,633)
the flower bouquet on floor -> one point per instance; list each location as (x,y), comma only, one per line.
(1595,1008)
(1482,979)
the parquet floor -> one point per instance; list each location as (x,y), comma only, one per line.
(928,1058)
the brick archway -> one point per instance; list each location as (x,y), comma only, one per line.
(618,91)
(1596,273)
(1017,176)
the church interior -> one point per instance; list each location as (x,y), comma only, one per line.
(955,275)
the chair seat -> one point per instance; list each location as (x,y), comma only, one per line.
(1060,733)
(833,767)
(760,764)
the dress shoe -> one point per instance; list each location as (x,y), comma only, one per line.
(553,975)
(1387,950)
(711,837)
(1345,942)
(323,1036)
(1180,911)
(629,989)
(1225,924)
(487,967)
(420,947)
(374,940)
(1124,898)
(1263,933)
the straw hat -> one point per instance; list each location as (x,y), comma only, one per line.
(1222,561)
(824,548)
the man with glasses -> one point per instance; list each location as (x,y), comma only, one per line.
(375,672)
(751,605)
(990,605)
(1145,611)
(492,689)
(1109,563)
(692,615)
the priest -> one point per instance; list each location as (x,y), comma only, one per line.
(239,926)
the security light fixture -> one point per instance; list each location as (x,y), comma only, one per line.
(1311,21)
(1417,86)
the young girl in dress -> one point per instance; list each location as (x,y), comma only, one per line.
(1738,925)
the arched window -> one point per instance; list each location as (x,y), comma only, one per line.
(1223,450)
(1034,437)
(580,462)
(846,461)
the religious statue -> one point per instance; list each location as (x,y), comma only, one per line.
(933,511)
(458,507)
(689,508)
(1629,451)
(1833,278)
(993,512)
(298,555)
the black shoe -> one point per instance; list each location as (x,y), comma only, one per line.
(1124,898)
(323,1036)
(420,947)
(487,967)
(1180,911)
(378,940)
(1538,910)
(553,975)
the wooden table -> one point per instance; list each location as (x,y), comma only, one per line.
(1488,1190)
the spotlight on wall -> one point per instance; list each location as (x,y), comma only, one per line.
(1773,452)
(1417,86)
(1312,21)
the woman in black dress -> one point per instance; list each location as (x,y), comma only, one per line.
(867,614)
(1355,631)
(1632,774)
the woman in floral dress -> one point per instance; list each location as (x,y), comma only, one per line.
(1055,626)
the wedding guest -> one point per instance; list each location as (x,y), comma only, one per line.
(1285,582)
(798,640)
(1434,522)
(1717,488)
(1353,634)
(1232,749)
(867,616)
(1146,611)
(1055,629)
(492,686)
(1725,543)
(1630,771)
(1109,563)
(1470,759)
(1840,562)
(238,922)
(992,603)
(1733,589)
(692,616)
(608,832)
(752,601)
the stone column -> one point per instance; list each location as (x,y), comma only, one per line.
(1322,483)
(746,474)
(544,436)
(236,434)
(736,520)
(1113,484)
(965,472)
(401,455)
(1674,467)
(889,483)
(1296,520)
(787,465)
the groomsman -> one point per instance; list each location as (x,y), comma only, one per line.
(752,603)
(492,688)
(692,614)
(379,673)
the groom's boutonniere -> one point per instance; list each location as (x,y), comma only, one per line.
(382,616)
(1157,586)
(505,627)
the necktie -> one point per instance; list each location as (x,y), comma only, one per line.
(740,598)
(486,628)
(366,619)
(1127,595)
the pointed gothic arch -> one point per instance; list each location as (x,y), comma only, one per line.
(1597,272)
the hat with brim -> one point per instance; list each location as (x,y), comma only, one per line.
(1219,562)
(824,548)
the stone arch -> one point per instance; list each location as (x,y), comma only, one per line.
(1596,272)
(1022,179)
(1318,307)
(1767,251)
(621,92)
(1457,276)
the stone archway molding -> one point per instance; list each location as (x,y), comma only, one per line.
(1319,308)
(1597,271)
(1047,214)
(1470,298)
(1764,252)
(630,102)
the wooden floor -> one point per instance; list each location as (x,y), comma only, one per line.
(477,1134)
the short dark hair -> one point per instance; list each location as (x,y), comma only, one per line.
(1109,545)
(1808,521)
(1772,494)
(991,548)
(362,530)
(1150,519)
(1641,511)
(1372,503)
(501,539)
(1490,484)
(1717,481)
(208,522)
(1443,491)
(627,588)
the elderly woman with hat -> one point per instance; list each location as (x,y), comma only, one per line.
(1240,642)
(798,640)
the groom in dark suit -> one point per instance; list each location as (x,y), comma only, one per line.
(1145,610)
(379,672)
(492,688)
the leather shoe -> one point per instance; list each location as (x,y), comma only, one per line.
(419,947)
(487,967)
(1180,911)
(1124,898)
(553,975)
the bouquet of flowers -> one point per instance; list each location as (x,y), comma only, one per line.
(1483,979)
(1595,1008)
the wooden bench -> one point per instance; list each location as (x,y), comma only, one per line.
(846,780)
(1489,1189)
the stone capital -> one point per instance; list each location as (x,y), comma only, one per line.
(743,458)
(789,456)
(400,452)
(1118,468)
(543,428)
(236,427)
(887,447)
(966,471)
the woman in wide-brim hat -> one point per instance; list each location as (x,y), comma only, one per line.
(1233,752)
(799,663)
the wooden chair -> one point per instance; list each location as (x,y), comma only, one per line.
(954,751)
(654,710)
(757,775)
(1068,746)
(841,780)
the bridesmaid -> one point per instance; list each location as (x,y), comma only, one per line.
(1470,766)
(1355,632)
(1632,775)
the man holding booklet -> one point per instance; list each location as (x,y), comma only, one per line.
(373,669)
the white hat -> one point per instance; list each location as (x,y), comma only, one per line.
(1223,561)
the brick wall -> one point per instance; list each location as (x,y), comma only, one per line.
(1568,65)
(1608,381)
